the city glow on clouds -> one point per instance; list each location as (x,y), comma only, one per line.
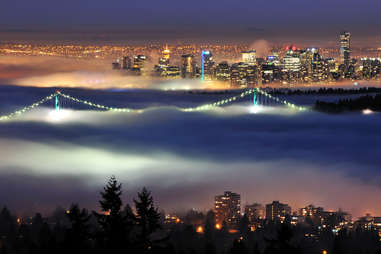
(97,74)
(265,156)
(92,74)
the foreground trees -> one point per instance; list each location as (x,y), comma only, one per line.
(119,228)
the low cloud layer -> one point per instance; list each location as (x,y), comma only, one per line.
(187,158)
(48,72)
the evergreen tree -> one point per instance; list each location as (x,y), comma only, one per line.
(147,219)
(78,233)
(8,226)
(239,247)
(210,229)
(244,226)
(111,219)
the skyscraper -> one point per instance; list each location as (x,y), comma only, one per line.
(249,57)
(223,71)
(277,210)
(165,56)
(227,208)
(206,65)
(126,63)
(345,48)
(291,61)
(188,66)
(139,62)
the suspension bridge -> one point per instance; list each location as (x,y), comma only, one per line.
(259,97)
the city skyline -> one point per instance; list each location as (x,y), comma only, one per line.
(190,127)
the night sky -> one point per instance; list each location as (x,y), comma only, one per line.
(198,19)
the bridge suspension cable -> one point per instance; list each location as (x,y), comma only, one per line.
(203,107)
(27,108)
(288,104)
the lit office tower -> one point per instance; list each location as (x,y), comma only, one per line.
(345,48)
(165,56)
(317,67)
(223,71)
(188,66)
(206,65)
(249,57)
(126,63)
(291,61)
(277,210)
(139,62)
(227,208)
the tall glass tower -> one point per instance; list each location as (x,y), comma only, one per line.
(345,48)
(206,65)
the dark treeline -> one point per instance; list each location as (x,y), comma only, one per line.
(290,91)
(118,229)
(326,91)
(364,102)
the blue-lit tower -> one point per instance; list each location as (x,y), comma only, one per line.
(206,65)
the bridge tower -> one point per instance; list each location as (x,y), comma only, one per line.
(57,103)
(255,99)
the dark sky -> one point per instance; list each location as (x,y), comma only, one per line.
(202,18)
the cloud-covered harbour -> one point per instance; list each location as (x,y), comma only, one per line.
(187,158)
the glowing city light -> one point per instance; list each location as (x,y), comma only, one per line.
(200,230)
(367,111)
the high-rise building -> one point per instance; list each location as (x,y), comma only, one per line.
(207,65)
(139,62)
(277,210)
(311,211)
(254,212)
(165,56)
(291,62)
(252,75)
(249,57)
(188,66)
(317,67)
(239,74)
(126,63)
(223,71)
(273,60)
(227,208)
(368,222)
(172,72)
(371,68)
(345,48)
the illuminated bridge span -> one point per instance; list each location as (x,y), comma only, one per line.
(260,97)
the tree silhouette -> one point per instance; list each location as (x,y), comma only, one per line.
(147,218)
(210,229)
(111,219)
(7,224)
(244,226)
(78,233)
(239,247)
